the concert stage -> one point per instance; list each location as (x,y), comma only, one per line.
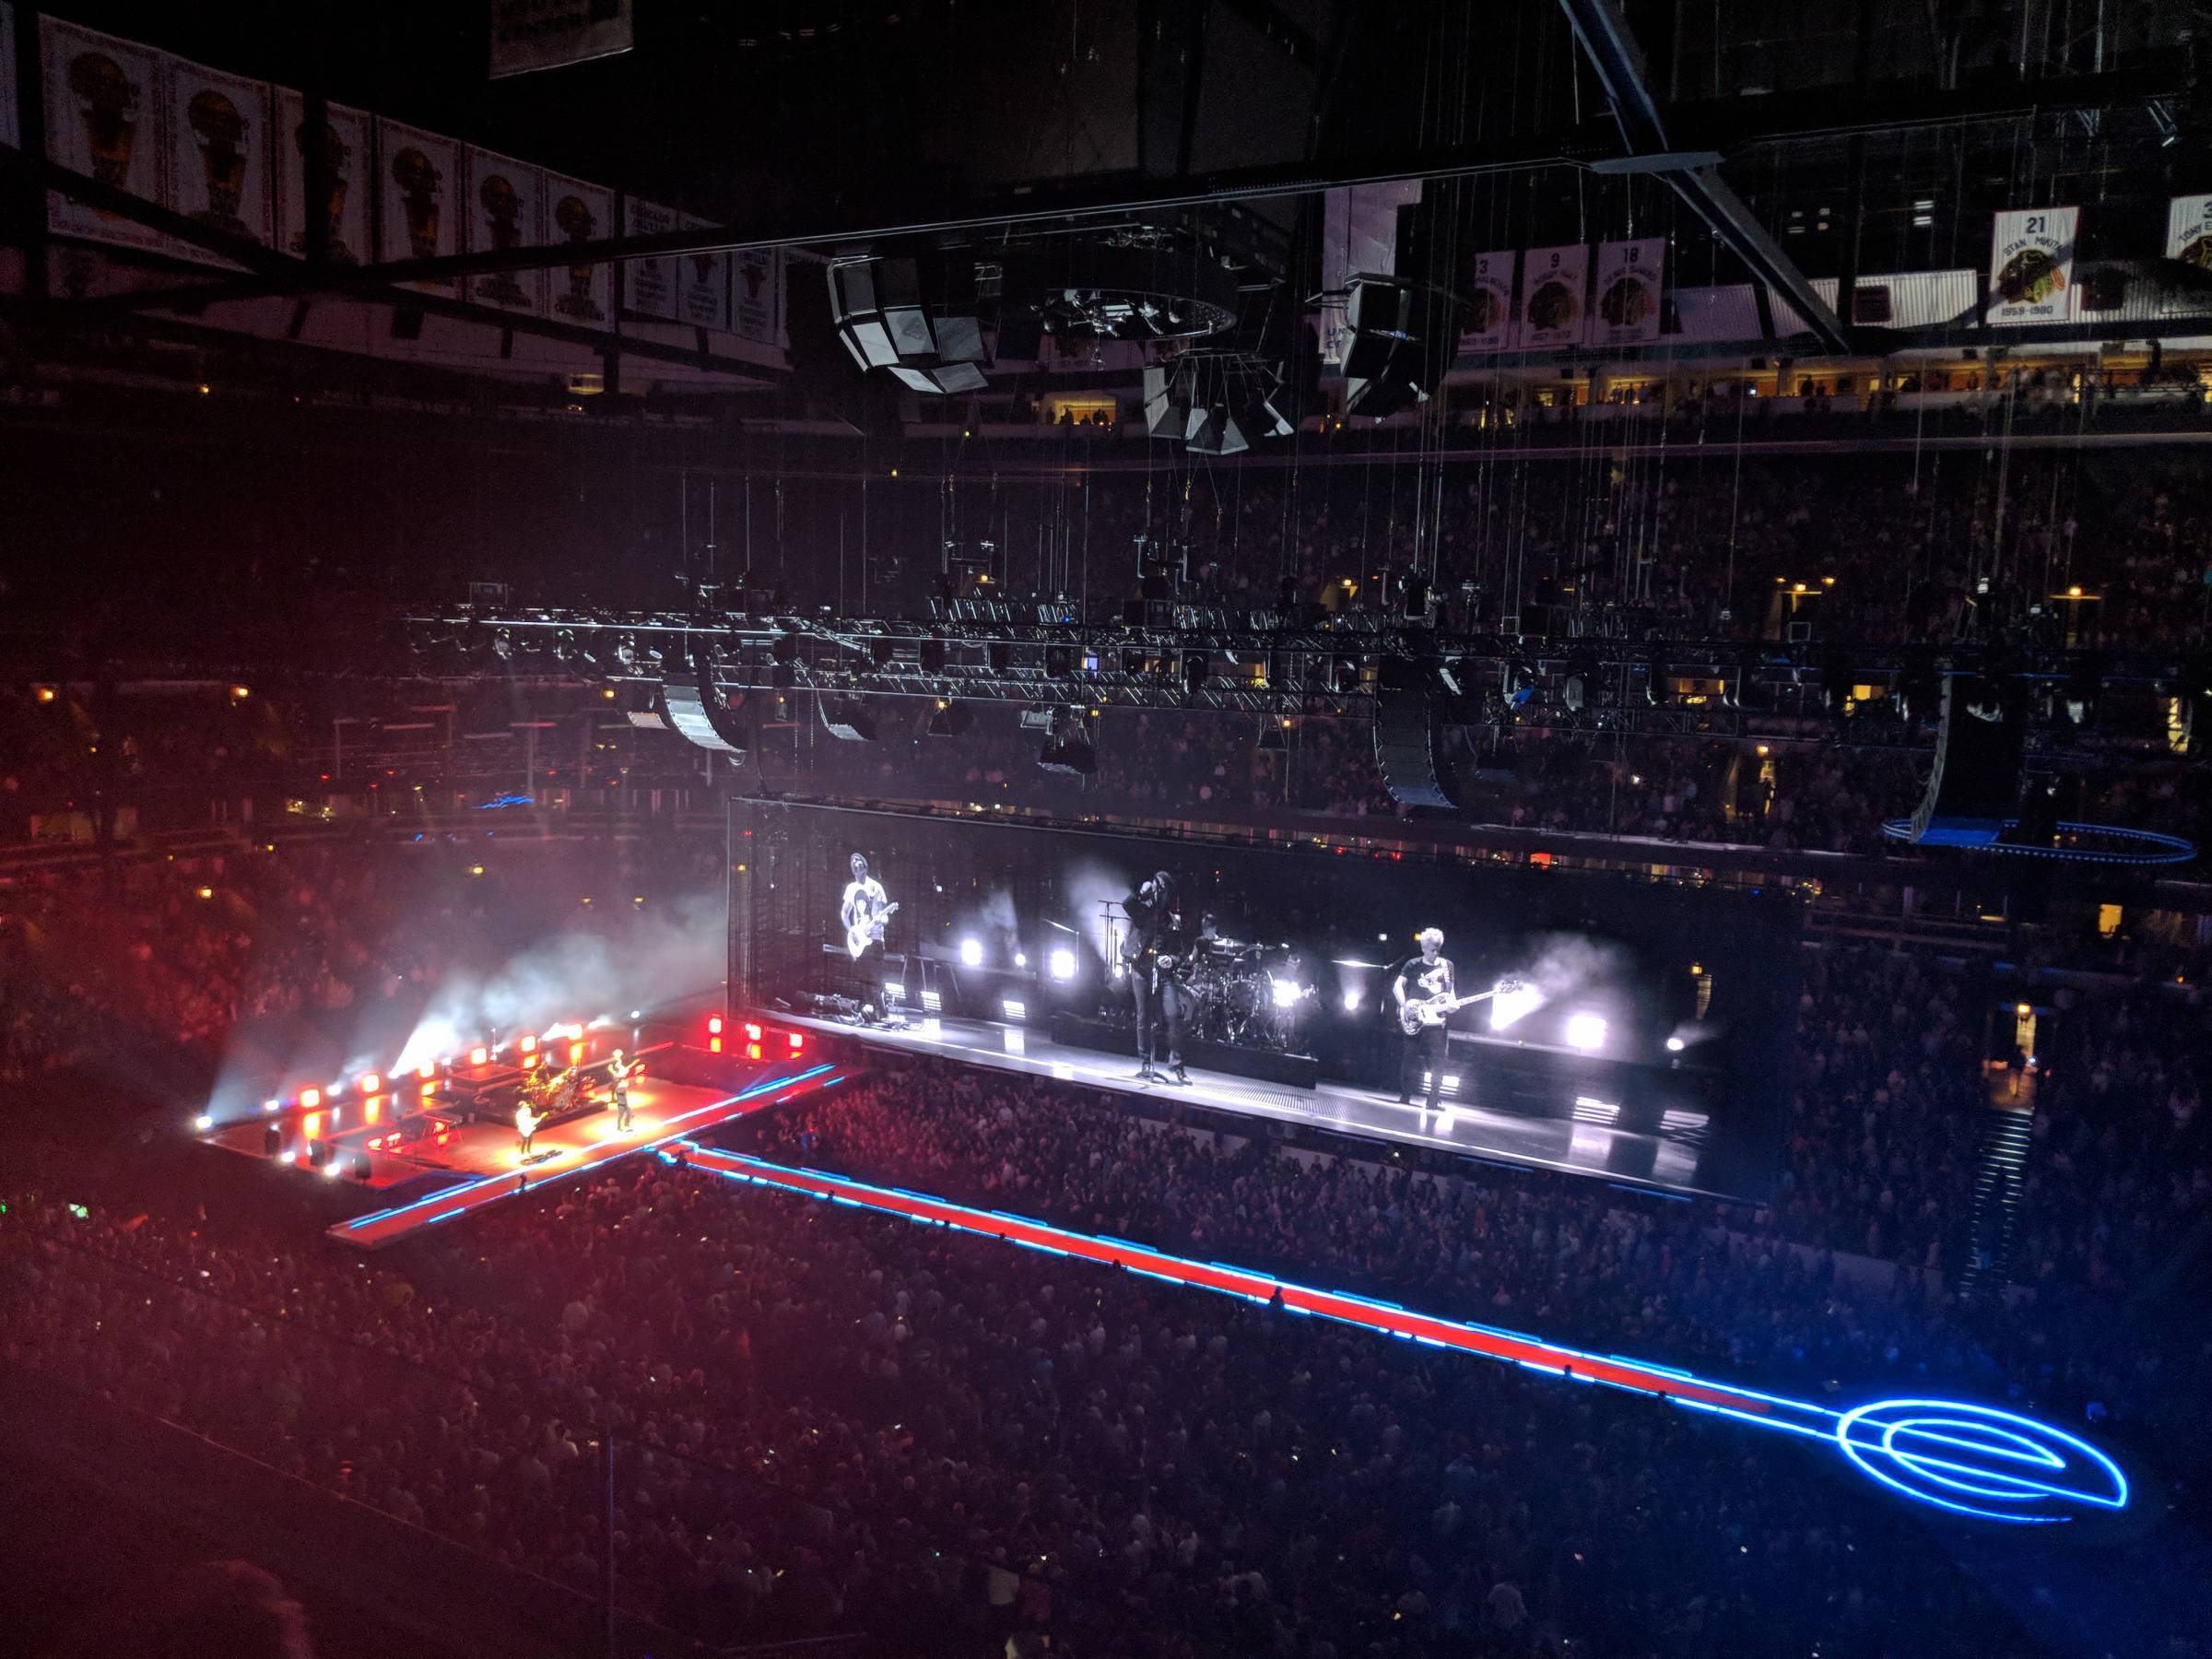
(475,1164)
(1512,1102)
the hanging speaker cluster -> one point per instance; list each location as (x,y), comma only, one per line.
(886,318)
(1974,790)
(1409,739)
(1213,405)
(696,709)
(1395,344)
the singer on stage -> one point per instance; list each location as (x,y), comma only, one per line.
(1153,955)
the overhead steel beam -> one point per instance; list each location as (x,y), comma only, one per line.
(1611,48)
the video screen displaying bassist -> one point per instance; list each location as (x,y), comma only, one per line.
(1425,986)
(1155,956)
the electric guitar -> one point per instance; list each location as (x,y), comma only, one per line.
(867,930)
(1415,1015)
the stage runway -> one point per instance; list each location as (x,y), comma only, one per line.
(1576,1140)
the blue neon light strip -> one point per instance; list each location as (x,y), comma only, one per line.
(1966,1459)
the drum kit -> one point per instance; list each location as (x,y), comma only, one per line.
(1250,995)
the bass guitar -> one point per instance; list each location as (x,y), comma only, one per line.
(1416,1014)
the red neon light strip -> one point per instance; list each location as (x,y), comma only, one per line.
(1233,1281)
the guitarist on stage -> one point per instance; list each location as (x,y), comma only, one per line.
(1429,977)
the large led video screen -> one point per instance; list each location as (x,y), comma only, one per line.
(1667,1005)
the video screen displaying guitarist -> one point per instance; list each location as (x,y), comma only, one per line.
(1430,979)
(1154,954)
(863,910)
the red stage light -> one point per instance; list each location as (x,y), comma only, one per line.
(530,1062)
(429,1089)
(797,1042)
(478,1056)
(752,1050)
(576,1054)
(427,1069)
(310,1098)
(370,1083)
(310,1126)
(714,1026)
(373,1110)
(528,1045)
(752,1032)
(713,1045)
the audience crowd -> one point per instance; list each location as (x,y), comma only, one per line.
(824,1420)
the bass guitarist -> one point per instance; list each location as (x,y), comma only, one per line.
(1428,977)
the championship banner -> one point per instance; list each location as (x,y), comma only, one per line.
(343,184)
(1628,276)
(11,118)
(1489,302)
(648,285)
(2189,230)
(419,182)
(756,295)
(503,207)
(2031,265)
(548,34)
(103,117)
(1554,283)
(578,212)
(702,284)
(219,146)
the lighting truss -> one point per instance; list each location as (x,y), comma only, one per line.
(1183,657)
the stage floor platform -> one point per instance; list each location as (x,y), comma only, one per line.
(481,1164)
(1669,1162)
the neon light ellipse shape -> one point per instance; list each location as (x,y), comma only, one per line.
(1978,1461)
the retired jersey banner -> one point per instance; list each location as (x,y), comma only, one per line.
(419,186)
(577,211)
(702,284)
(503,207)
(219,150)
(11,116)
(2031,265)
(104,118)
(648,285)
(342,185)
(548,34)
(756,295)
(1489,295)
(1629,279)
(1554,283)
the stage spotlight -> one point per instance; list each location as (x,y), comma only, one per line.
(333,1167)
(1062,964)
(1286,993)
(1355,999)
(272,1105)
(1013,1009)
(971,953)
(204,1122)
(310,1098)
(1587,1030)
(370,1083)
(1675,1045)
